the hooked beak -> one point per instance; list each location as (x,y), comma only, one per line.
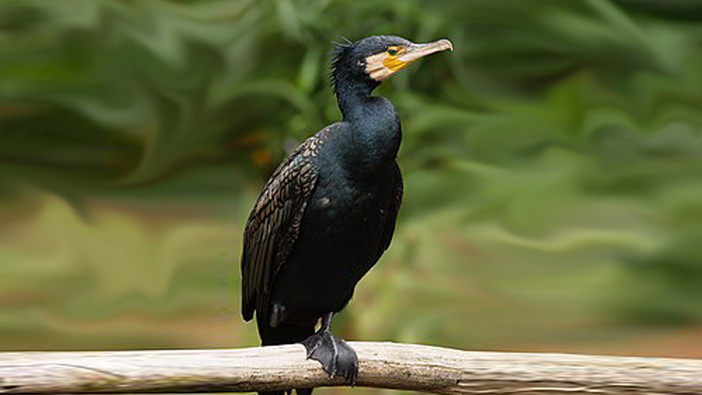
(381,66)
(416,51)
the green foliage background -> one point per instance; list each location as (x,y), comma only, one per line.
(553,168)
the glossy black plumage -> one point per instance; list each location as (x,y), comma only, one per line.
(274,224)
(325,216)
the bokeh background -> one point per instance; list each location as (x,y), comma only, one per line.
(553,170)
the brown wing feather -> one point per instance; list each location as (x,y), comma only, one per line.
(274,224)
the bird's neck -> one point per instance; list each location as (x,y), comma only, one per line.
(352,96)
(375,134)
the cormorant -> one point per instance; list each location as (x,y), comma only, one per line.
(328,212)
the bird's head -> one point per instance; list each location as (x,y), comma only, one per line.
(374,59)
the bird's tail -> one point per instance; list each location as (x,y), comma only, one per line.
(288,332)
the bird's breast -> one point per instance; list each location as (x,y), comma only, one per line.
(343,204)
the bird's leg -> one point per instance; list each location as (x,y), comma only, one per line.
(337,357)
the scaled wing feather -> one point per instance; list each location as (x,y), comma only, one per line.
(274,224)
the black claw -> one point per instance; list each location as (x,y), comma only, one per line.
(347,362)
(337,357)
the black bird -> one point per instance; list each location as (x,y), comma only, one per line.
(328,212)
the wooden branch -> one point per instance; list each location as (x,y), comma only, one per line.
(384,365)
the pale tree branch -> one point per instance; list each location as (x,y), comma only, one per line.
(382,365)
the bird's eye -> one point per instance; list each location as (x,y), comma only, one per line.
(392,51)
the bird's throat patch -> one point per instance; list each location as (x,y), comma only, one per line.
(381,66)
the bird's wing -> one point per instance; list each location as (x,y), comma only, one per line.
(393,209)
(274,224)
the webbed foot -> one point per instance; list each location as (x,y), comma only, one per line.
(335,355)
